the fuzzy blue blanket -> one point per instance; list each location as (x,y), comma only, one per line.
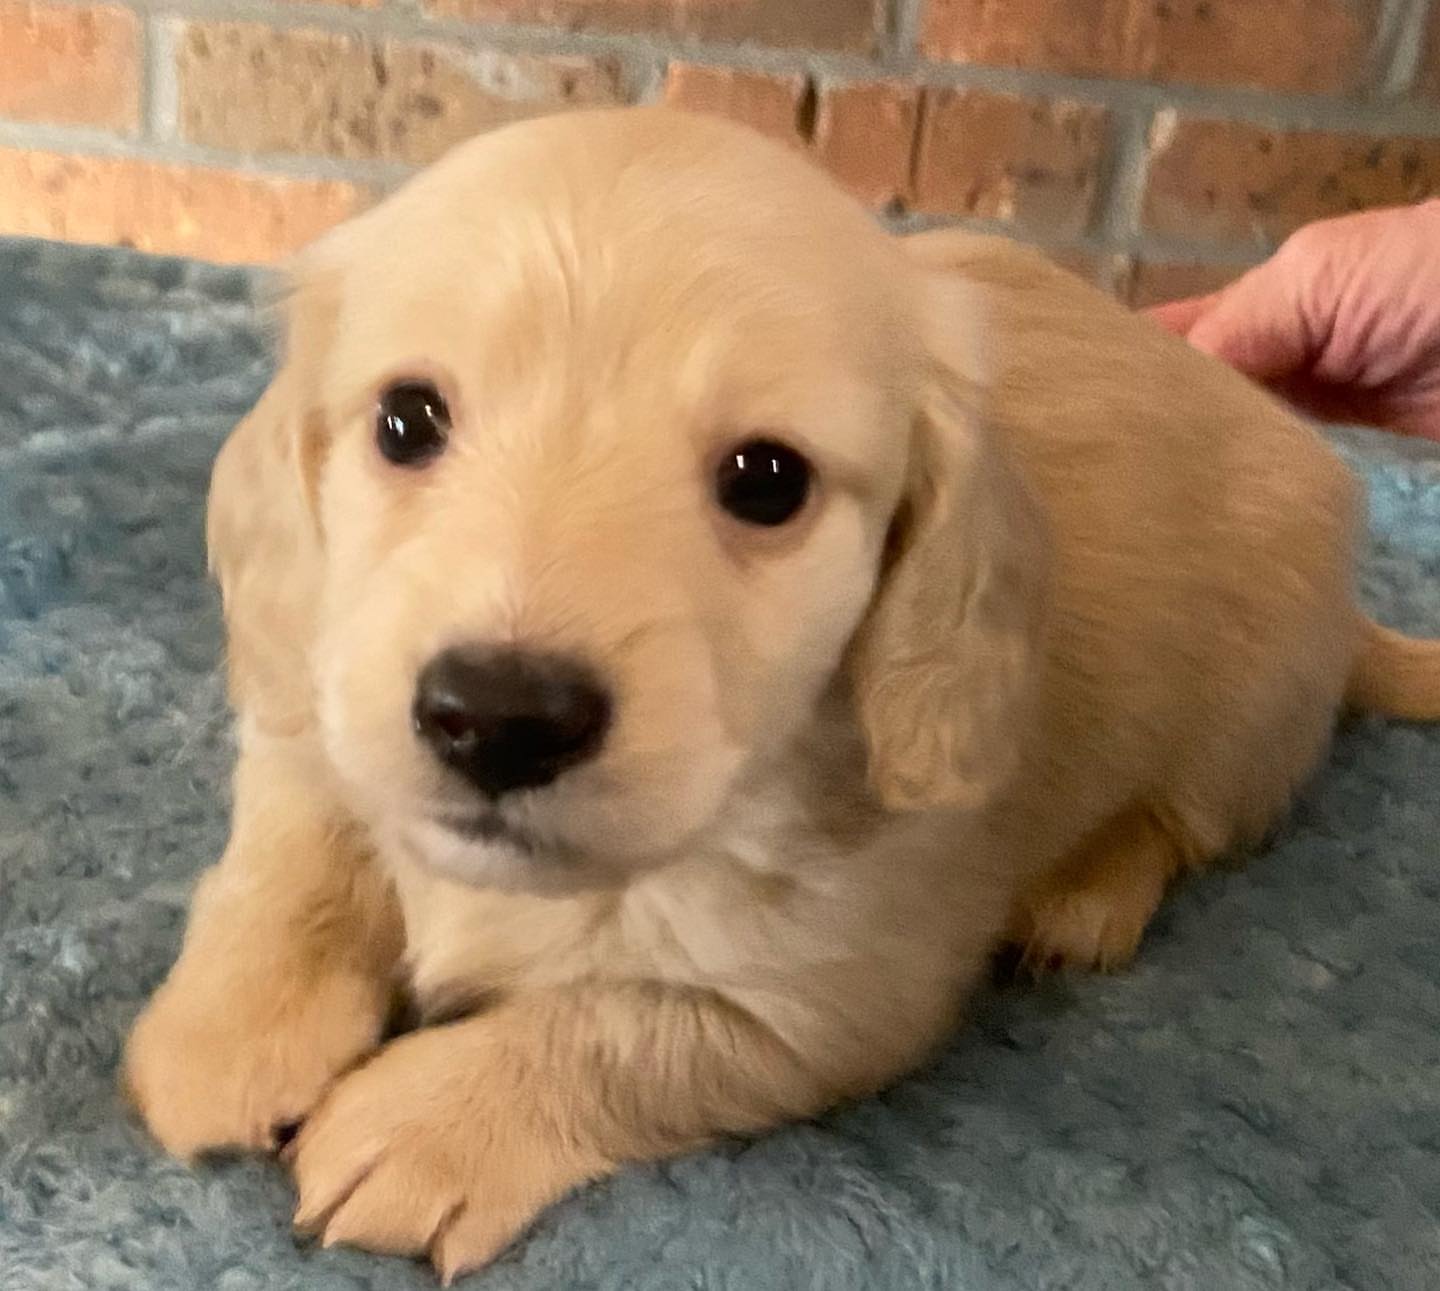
(1256,1104)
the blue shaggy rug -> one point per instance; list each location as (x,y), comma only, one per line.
(1255,1105)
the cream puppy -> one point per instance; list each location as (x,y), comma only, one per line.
(677,631)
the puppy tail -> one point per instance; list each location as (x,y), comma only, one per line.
(1395,675)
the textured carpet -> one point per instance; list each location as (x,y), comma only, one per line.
(1255,1105)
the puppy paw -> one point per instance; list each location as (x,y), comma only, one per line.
(236,1063)
(1082,927)
(1092,910)
(426,1151)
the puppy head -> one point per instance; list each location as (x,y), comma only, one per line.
(601,452)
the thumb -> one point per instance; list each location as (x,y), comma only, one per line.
(1256,325)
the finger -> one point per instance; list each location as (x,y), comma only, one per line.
(1256,325)
(1179,316)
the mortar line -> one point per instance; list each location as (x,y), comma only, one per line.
(1401,45)
(162,87)
(902,44)
(83,142)
(1125,168)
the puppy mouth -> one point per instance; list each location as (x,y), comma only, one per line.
(489,827)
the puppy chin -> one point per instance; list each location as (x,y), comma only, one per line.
(501,861)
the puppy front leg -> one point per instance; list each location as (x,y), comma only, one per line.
(286,972)
(451,1140)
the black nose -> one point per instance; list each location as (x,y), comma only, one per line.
(509,719)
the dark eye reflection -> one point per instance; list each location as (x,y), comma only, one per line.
(763,482)
(412,423)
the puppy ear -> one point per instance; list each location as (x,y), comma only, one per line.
(263,528)
(943,665)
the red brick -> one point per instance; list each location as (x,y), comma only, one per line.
(182,210)
(1237,182)
(815,24)
(1034,163)
(865,137)
(1150,282)
(770,104)
(252,89)
(1299,45)
(68,66)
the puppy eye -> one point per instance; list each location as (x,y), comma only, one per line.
(412,423)
(762,482)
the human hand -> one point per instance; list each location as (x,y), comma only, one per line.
(1343,321)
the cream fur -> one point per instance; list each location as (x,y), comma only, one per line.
(1073,609)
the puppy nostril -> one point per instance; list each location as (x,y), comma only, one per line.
(455,725)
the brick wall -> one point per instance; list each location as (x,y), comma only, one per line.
(1154,144)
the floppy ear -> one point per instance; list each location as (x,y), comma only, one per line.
(943,665)
(262,526)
